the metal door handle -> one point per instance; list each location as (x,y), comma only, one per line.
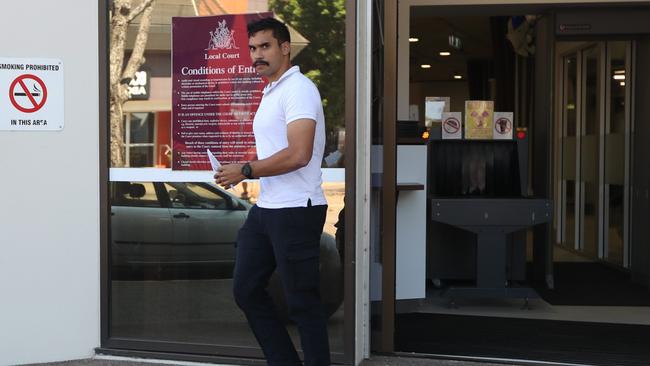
(181,215)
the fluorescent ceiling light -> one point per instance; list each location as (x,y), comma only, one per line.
(619,71)
(444,53)
(413,39)
(619,77)
(622,83)
(425,66)
(458,77)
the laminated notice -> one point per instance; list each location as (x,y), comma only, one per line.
(478,119)
(503,125)
(451,126)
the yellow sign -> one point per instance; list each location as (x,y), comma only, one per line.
(478,119)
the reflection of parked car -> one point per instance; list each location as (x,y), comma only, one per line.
(191,229)
(173,224)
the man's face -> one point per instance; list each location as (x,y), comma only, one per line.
(267,55)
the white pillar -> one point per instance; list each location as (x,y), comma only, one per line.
(49,206)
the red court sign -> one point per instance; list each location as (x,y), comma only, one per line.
(28,93)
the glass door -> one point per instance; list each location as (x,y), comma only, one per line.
(617,143)
(168,247)
(595,151)
(569,146)
(590,151)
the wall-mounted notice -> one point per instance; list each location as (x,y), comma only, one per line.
(31,94)
(451,126)
(215,90)
(478,119)
(433,108)
(503,122)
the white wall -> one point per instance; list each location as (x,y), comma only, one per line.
(49,206)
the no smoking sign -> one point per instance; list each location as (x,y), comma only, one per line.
(31,94)
(34,97)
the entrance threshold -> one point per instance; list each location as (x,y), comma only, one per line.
(490,360)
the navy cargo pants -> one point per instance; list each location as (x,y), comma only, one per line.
(287,239)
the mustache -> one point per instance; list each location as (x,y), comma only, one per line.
(260,62)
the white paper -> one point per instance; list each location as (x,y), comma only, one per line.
(215,163)
(433,109)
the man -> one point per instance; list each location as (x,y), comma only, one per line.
(283,229)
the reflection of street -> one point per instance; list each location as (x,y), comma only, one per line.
(195,311)
(334,193)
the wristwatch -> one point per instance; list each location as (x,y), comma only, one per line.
(247,171)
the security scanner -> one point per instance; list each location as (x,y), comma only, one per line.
(479,213)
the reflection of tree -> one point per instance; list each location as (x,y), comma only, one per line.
(323,60)
(123,13)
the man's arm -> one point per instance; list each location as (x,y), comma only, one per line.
(298,153)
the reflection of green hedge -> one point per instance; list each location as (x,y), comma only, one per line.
(322,22)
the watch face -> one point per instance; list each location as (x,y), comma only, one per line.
(246,170)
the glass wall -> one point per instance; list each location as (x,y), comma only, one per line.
(172,233)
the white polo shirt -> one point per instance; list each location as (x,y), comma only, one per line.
(293,96)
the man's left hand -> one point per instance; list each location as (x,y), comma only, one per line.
(229,175)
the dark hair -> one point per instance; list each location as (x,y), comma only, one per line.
(280,30)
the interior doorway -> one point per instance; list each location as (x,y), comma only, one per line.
(595,123)
(576,97)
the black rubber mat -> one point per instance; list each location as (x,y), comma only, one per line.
(524,339)
(593,284)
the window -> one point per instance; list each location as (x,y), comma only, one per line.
(195,196)
(134,194)
(139,139)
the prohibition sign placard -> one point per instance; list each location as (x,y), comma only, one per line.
(503,126)
(20,88)
(32,94)
(451,125)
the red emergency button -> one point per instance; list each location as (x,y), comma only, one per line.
(521,133)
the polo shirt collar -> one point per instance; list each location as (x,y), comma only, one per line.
(292,70)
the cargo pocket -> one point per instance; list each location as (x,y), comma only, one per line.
(303,263)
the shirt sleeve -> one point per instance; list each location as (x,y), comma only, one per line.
(302,100)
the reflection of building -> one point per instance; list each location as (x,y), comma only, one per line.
(153,147)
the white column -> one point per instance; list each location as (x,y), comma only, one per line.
(49,215)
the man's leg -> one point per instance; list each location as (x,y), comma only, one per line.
(254,265)
(296,242)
